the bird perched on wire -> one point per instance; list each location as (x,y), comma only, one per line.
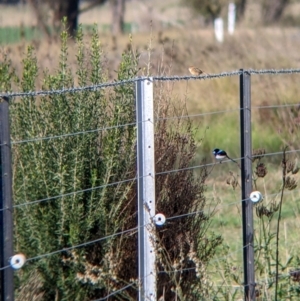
(196,71)
(221,155)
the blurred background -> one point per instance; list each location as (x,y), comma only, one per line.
(169,36)
(32,19)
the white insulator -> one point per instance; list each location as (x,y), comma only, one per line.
(159,219)
(17,261)
(256,196)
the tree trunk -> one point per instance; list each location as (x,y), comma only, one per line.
(273,10)
(240,9)
(72,14)
(118,10)
(69,9)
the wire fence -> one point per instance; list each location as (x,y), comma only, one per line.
(134,230)
(154,78)
(27,202)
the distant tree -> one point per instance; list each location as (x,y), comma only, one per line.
(60,8)
(118,10)
(273,9)
(241,8)
(71,10)
(209,9)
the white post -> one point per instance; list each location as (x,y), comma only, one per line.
(146,189)
(219,32)
(231,18)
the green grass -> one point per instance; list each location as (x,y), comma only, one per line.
(223,132)
(9,35)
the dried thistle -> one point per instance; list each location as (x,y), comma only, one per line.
(290,183)
(290,166)
(257,293)
(261,170)
(274,207)
(257,154)
(232,181)
(295,170)
(262,210)
(295,275)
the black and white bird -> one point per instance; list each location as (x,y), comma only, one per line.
(221,155)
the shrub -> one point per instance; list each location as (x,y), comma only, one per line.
(75,185)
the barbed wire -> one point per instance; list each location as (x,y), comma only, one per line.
(154,78)
(273,71)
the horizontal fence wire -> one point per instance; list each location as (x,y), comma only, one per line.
(38,139)
(155,78)
(133,230)
(73,193)
(134,179)
(77,246)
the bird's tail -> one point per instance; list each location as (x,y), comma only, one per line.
(234,161)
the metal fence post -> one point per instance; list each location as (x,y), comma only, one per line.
(246,180)
(146,188)
(6,215)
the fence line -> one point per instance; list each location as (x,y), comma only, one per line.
(37,139)
(155,78)
(73,134)
(72,193)
(134,179)
(218,207)
(116,126)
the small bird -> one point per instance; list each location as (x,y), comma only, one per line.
(196,71)
(221,154)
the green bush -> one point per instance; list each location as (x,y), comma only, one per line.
(69,148)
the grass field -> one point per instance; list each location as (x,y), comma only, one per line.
(172,50)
